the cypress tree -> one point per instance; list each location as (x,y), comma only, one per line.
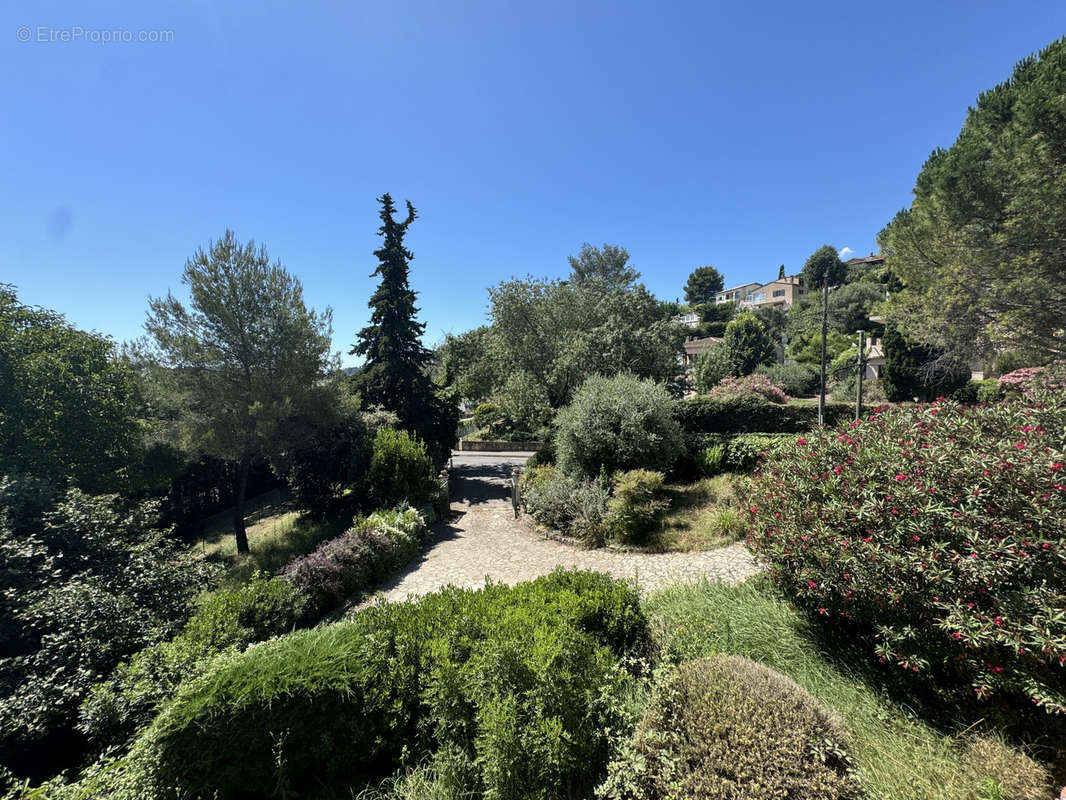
(395,373)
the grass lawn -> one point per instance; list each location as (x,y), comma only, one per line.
(702,515)
(899,755)
(276,534)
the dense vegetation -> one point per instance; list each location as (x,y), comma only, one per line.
(938,533)
(980,251)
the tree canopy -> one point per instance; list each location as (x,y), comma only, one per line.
(396,373)
(702,285)
(606,266)
(561,332)
(747,344)
(68,405)
(824,262)
(243,357)
(981,251)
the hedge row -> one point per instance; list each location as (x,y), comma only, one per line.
(754,415)
(367,554)
(508,680)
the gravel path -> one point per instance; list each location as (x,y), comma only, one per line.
(483,540)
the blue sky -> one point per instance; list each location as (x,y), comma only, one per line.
(742,135)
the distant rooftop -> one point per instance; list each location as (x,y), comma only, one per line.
(870,259)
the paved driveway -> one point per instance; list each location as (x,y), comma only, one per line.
(483,540)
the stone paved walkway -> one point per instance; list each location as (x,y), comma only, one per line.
(487,542)
(483,540)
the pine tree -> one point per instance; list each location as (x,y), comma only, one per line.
(918,370)
(395,373)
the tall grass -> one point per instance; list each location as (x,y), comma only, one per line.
(702,515)
(276,535)
(900,757)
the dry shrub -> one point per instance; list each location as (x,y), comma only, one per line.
(1004,773)
(728,728)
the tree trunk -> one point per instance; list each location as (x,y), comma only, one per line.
(238,505)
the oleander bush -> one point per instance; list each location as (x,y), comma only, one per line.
(1018,381)
(356,560)
(516,682)
(755,386)
(938,532)
(223,620)
(636,505)
(617,423)
(727,727)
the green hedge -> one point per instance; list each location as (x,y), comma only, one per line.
(513,678)
(751,415)
(712,453)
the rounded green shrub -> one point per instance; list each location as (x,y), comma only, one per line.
(727,727)
(400,470)
(618,423)
(797,380)
(514,677)
(938,533)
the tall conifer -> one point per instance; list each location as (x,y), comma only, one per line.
(395,375)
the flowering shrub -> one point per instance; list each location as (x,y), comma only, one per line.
(940,532)
(355,560)
(750,385)
(1019,380)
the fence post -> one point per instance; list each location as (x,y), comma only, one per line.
(515,472)
(444,494)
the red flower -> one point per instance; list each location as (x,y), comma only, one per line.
(801,440)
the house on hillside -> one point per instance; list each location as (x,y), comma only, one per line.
(781,292)
(689,319)
(868,261)
(736,294)
(693,348)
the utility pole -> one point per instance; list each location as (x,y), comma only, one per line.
(862,370)
(825,332)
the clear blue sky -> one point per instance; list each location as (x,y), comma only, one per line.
(741,135)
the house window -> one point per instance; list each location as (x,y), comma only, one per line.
(779,292)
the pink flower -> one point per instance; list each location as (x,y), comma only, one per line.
(812,584)
(801,440)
